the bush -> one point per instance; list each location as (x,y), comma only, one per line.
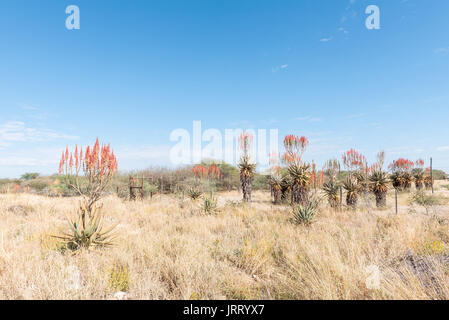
(261,182)
(62,188)
(118,278)
(149,189)
(423,199)
(439,175)
(38,185)
(29,176)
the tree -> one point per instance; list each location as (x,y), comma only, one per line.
(29,176)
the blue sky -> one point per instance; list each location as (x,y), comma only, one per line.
(137,70)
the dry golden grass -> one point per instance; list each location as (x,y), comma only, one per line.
(168,250)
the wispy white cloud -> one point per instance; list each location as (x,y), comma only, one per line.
(376,125)
(443,148)
(309,119)
(143,153)
(270,121)
(17,131)
(281,67)
(326,39)
(350,13)
(28,107)
(34,156)
(241,123)
(15,161)
(403,150)
(442,51)
(355,115)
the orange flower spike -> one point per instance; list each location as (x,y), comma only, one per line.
(113,161)
(115,167)
(87,158)
(97,146)
(93,158)
(77,159)
(115,164)
(71,162)
(210,171)
(102,157)
(303,142)
(245,140)
(194,171)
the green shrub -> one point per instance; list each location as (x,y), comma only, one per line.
(423,199)
(261,182)
(149,189)
(38,185)
(118,278)
(29,176)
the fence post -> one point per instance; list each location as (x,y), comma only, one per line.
(162,187)
(142,193)
(341,198)
(366,178)
(396,199)
(131,188)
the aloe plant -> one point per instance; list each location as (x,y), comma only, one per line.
(300,175)
(352,190)
(332,191)
(247,168)
(379,181)
(276,187)
(305,213)
(332,187)
(209,205)
(89,174)
(86,230)
(194,193)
